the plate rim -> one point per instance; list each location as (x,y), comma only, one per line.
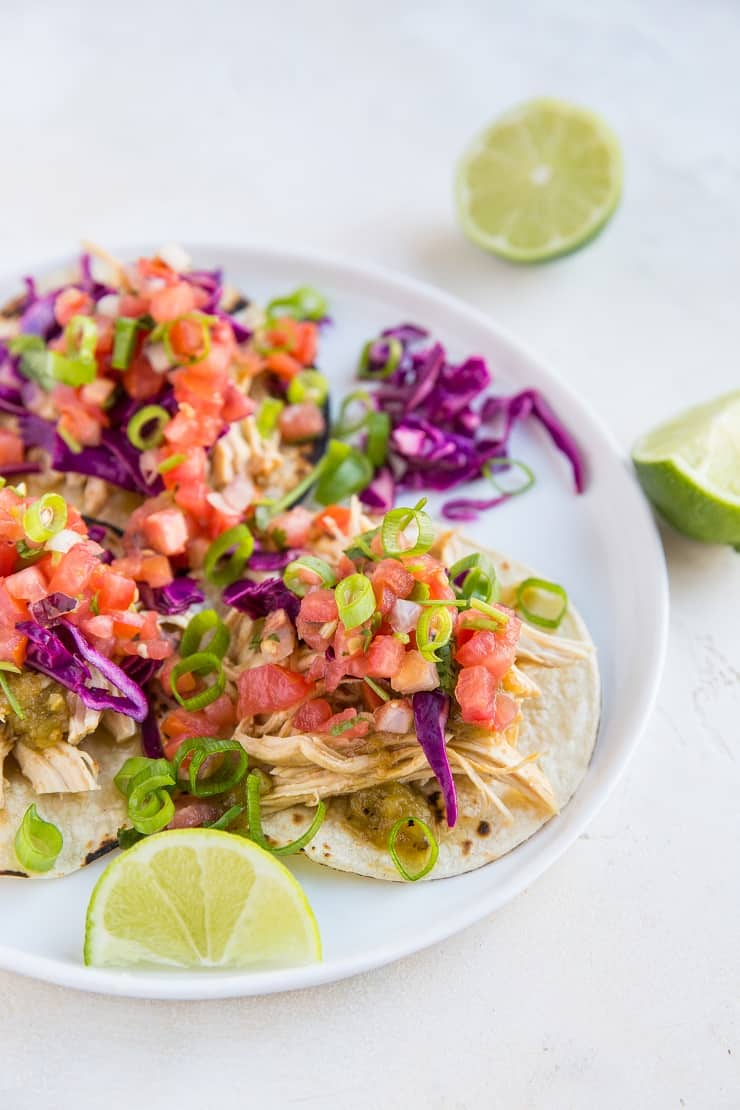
(201,985)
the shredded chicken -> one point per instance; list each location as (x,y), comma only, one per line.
(96,496)
(82,720)
(59,769)
(120,727)
(536,646)
(229,457)
(304,768)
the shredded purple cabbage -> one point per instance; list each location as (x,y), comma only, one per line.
(381,493)
(257,599)
(271,560)
(51,608)
(444,428)
(48,653)
(431,711)
(175,598)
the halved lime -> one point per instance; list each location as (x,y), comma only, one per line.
(539,181)
(690,469)
(199,898)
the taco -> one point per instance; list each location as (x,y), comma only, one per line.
(145,409)
(403,690)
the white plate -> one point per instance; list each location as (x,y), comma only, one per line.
(603,546)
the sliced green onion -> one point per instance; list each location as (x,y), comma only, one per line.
(71,371)
(19,344)
(255,822)
(342,472)
(392,362)
(480,578)
(153,415)
(419,593)
(226,819)
(129,771)
(378,434)
(10,697)
(377,689)
(361,548)
(347,425)
(442,603)
(402,637)
(507,464)
(150,805)
(355,600)
(202,663)
(433,631)
(206,621)
(305,303)
(545,587)
(204,323)
(45,517)
(124,342)
(238,544)
(37,842)
(203,748)
(268,415)
(393,529)
(428,840)
(496,615)
(171,463)
(81,338)
(308,385)
(294,574)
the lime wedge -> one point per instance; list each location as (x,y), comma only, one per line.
(539,182)
(199,898)
(690,469)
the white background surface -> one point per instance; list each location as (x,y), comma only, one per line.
(614,982)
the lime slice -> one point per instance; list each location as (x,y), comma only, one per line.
(199,898)
(539,182)
(690,469)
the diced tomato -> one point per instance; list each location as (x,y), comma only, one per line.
(27,585)
(8,558)
(337,726)
(394,575)
(100,626)
(193,813)
(295,525)
(115,591)
(311,715)
(132,305)
(141,381)
(12,646)
(186,339)
(155,570)
(334,514)
(306,343)
(285,333)
(430,571)
(217,720)
(189,428)
(496,651)
(166,531)
(301,422)
(157,268)
(172,301)
(269,688)
(283,364)
(385,599)
(71,302)
(98,392)
(236,404)
(11,447)
(394,716)
(11,515)
(193,498)
(317,670)
(383,659)
(74,570)
(191,471)
(481,700)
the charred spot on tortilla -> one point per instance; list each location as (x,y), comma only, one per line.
(233,301)
(12,308)
(102,850)
(297,820)
(483,828)
(466,846)
(16,874)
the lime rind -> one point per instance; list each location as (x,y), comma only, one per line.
(500,182)
(199,898)
(690,469)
